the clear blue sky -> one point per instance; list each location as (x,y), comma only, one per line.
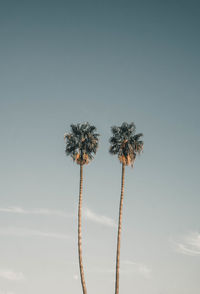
(104,62)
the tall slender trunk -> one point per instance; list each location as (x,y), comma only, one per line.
(119,231)
(79,232)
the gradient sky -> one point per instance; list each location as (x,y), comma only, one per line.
(104,62)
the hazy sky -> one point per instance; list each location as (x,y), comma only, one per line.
(104,62)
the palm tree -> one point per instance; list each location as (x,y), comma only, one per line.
(81,145)
(126,144)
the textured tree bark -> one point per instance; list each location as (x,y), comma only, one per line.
(119,231)
(79,232)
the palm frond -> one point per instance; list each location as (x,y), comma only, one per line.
(82,142)
(125,143)
(137,136)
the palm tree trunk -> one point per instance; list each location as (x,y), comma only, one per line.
(119,231)
(79,232)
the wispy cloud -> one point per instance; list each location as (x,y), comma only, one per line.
(140,268)
(6,292)
(75,277)
(11,275)
(97,218)
(189,244)
(127,268)
(101,270)
(88,214)
(20,210)
(24,232)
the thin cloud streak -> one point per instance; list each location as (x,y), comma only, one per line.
(24,232)
(11,275)
(97,218)
(20,210)
(88,214)
(189,245)
(101,271)
(131,268)
(141,268)
(6,292)
(75,277)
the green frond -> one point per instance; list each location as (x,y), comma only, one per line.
(125,143)
(82,142)
(137,136)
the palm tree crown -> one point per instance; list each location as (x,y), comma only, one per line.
(82,143)
(125,143)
